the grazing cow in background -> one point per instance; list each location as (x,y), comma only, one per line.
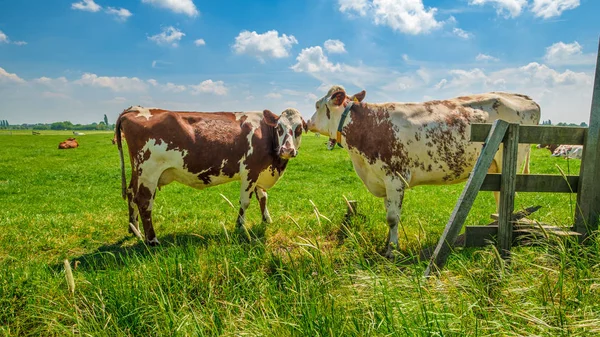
(568,151)
(394,146)
(70,143)
(201,149)
(550,147)
(78,133)
(114,140)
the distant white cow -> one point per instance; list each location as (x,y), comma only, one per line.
(78,133)
(569,151)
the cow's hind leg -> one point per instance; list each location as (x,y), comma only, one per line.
(132,206)
(144,199)
(393,204)
(262,197)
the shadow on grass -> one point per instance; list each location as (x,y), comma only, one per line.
(120,253)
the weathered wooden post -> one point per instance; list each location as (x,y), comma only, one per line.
(507,189)
(588,199)
(465,202)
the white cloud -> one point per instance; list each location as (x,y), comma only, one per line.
(334,46)
(313,60)
(200,42)
(153,82)
(405,57)
(406,16)
(311,97)
(358,6)
(186,7)
(121,14)
(3,38)
(273,95)
(249,97)
(461,33)
(55,95)
(552,8)
(508,8)
(485,57)
(266,45)
(158,64)
(86,5)
(114,83)
(209,86)
(562,53)
(171,87)
(51,82)
(169,36)
(9,77)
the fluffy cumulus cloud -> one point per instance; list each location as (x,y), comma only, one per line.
(200,42)
(334,46)
(406,16)
(5,76)
(313,60)
(186,7)
(86,5)
(540,8)
(121,14)
(5,40)
(508,8)
(485,57)
(169,36)
(552,8)
(461,33)
(266,45)
(562,53)
(209,87)
(118,84)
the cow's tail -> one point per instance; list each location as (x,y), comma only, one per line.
(120,147)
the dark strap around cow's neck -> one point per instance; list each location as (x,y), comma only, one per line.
(342,120)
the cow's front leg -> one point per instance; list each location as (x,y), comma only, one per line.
(262,197)
(393,204)
(246,190)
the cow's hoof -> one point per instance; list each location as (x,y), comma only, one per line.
(390,254)
(267,220)
(154,242)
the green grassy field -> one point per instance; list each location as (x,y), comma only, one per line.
(296,276)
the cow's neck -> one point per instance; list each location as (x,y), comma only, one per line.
(344,118)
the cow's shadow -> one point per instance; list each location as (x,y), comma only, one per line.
(118,254)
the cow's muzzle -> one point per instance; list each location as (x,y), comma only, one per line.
(287,153)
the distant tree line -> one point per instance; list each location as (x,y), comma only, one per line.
(549,122)
(66,125)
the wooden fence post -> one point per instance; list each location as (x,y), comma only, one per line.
(507,189)
(465,202)
(588,196)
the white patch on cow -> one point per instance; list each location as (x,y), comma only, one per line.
(268,178)
(154,241)
(142,112)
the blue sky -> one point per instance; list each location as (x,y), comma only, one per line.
(80,59)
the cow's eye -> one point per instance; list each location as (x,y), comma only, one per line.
(280,129)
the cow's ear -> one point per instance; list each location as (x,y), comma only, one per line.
(358,97)
(270,118)
(338,97)
(304,125)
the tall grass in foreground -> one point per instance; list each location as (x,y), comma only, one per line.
(299,276)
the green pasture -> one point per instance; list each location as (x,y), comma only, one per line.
(298,276)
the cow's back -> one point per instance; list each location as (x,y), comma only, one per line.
(195,148)
(430,140)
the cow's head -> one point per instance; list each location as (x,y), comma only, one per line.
(288,129)
(329,110)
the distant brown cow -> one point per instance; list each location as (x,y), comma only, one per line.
(70,143)
(114,140)
(202,149)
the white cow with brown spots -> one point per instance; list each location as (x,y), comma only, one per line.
(395,144)
(202,149)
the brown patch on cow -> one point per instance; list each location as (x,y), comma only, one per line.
(70,143)
(465,98)
(417,136)
(496,105)
(372,133)
(328,112)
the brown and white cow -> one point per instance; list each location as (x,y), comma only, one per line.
(395,144)
(568,151)
(550,147)
(202,149)
(70,143)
